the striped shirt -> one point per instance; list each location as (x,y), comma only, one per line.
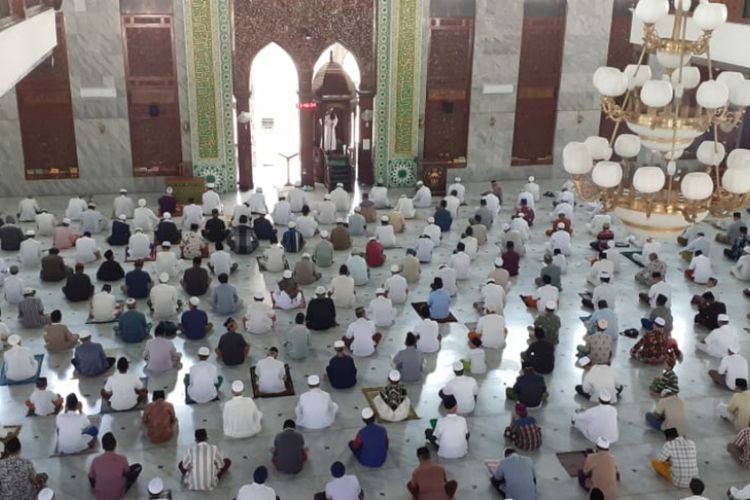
(682,454)
(743,442)
(203,462)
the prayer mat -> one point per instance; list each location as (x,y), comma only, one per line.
(150,258)
(4,380)
(371,392)
(288,383)
(141,405)
(572,461)
(629,256)
(421,307)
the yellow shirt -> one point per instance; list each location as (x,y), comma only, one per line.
(739,407)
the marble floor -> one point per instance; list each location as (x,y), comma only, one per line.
(637,444)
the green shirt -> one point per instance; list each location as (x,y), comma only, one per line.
(550,323)
(323,254)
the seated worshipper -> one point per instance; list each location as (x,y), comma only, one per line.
(384,233)
(677,461)
(262,227)
(292,240)
(397,221)
(92,221)
(526,211)
(240,415)
(459,188)
(381,309)
(340,237)
(374,253)
(132,326)
(315,408)
(225,300)
(646,275)
(452,203)
(559,240)
(123,204)
(739,449)
(160,354)
(499,274)
(667,380)
(700,271)
(491,329)
(741,270)
(738,245)
(603,238)
(451,433)
(110,269)
(75,432)
(442,217)
(31,310)
(341,370)
(738,409)
(211,200)
(603,291)
(163,300)
(515,233)
(203,465)
(428,337)
(325,211)
(461,388)
(699,243)
(54,268)
(361,337)
(601,265)
(529,389)
(20,363)
(488,207)
(86,249)
(606,314)
(323,253)
(422,197)
(554,272)
(287,294)
(137,281)
(733,366)
(305,272)
(405,206)
(598,421)
(259,318)
(340,198)
(167,261)
(194,322)
(561,219)
(668,413)
(598,346)
(597,378)
(409,361)
(30,251)
(370,445)
(192,244)
(342,485)
(720,340)
(599,472)
(732,230)
(27,209)
(656,345)
(429,481)
(515,477)
(289,453)
(321,311)
(273,259)
(167,202)
(203,381)
(379,196)
(357,266)
(461,262)
(78,286)
(232,348)
(540,353)
(560,260)
(270,373)
(511,259)
(438,302)
(139,246)
(57,336)
(43,402)
(11,235)
(167,230)
(89,358)
(478,231)
(195,280)
(296,340)
(215,229)
(144,217)
(471,244)
(523,431)
(356,225)
(123,390)
(475,361)
(243,239)
(159,419)
(76,206)
(433,231)
(423,248)
(341,289)
(549,322)
(104,307)
(396,286)
(547,292)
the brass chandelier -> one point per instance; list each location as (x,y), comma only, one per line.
(666,114)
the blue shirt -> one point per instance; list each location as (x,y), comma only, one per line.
(443,219)
(194,324)
(440,304)
(371,445)
(225,299)
(518,473)
(90,360)
(137,282)
(132,326)
(342,373)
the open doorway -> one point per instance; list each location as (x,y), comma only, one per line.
(275,130)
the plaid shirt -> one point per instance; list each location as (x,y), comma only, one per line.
(743,442)
(681,453)
(525,434)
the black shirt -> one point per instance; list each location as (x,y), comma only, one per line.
(11,237)
(709,315)
(542,356)
(232,347)
(110,270)
(53,268)
(289,451)
(216,230)
(530,389)
(78,287)
(264,229)
(137,281)
(195,281)
(342,373)
(167,230)
(120,234)
(321,313)
(167,203)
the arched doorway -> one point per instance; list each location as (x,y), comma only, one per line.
(274,85)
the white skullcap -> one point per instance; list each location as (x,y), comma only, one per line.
(286,274)
(611,244)
(195,301)
(457,366)
(28,291)
(139,230)
(734,348)
(372,238)
(457,179)
(394,375)
(560,225)
(506,227)
(210,185)
(167,215)
(320,290)
(46,494)
(204,351)
(305,255)
(602,443)
(402,196)
(324,234)
(291,224)
(130,301)
(490,280)
(166,244)
(602,324)
(448,390)
(340,184)
(431,220)
(327,196)
(155,486)
(531,178)
(123,190)
(395,268)
(313,380)
(499,262)
(723,317)
(358,209)
(65,221)
(14,340)
(259,295)
(660,321)
(30,232)
(238,386)
(259,189)
(584,361)
(746,249)
(380,291)
(340,220)
(384,218)
(339,344)
(84,334)
(141,202)
(605,396)
(122,217)
(604,274)
(420,183)
(551,305)
(164,278)
(367,413)
(170,190)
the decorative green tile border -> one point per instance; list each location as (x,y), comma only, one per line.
(381,98)
(406,73)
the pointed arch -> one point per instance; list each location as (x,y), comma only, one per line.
(343,56)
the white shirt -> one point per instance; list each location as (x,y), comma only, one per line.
(544,294)
(533,188)
(450,432)
(340,198)
(525,195)
(422,198)
(211,201)
(43,402)
(103,306)
(45,224)
(85,250)
(386,236)
(259,318)
(203,380)
(221,261)
(448,275)
(167,262)
(721,339)
(460,190)
(76,206)
(434,232)
(461,262)
(145,218)
(477,360)
(405,207)
(492,329)
(464,389)
(245,210)
(315,409)
(123,387)
(598,268)
(381,311)
(560,239)
(275,256)
(660,288)
(306,225)
(164,301)
(13,287)
(564,208)
(742,269)
(255,491)
(734,366)
(343,488)
(361,331)
(326,212)
(427,332)
(379,196)
(241,417)
(560,261)
(597,223)
(123,205)
(519,224)
(271,374)
(256,203)
(343,291)
(20,363)
(452,204)
(598,421)
(27,208)
(493,202)
(494,295)
(70,437)
(192,214)
(600,378)
(424,248)
(139,246)
(31,253)
(471,245)
(700,243)
(651,247)
(604,291)
(282,213)
(397,288)
(296,198)
(701,267)
(566,197)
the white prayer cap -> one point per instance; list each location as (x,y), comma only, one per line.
(395,268)
(155,486)
(259,189)
(420,183)
(91,204)
(167,215)
(521,215)
(611,244)
(324,234)
(584,361)
(259,296)
(499,262)
(746,249)
(141,202)
(130,301)
(28,291)
(605,396)
(164,278)
(305,255)
(551,305)
(339,344)
(457,179)
(660,321)
(402,196)
(139,230)
(367,413)
(166,244)
(531,178)
(47,494)
(380,291)
(723,317)
(194,301)
(238,386)
(340,220)
(65,221)
(394,375)
(372,238)
(431,220)
(291,224)
(339,184)
(602,324)
(286,274)
(604,274)
(30,232)
(170,190)
(210,185)
(122,217)
(313,380)
(602,443)
(457,366)
(490,280)
(320,290)
(14,340)
(560,225)
(204,351)
(448,390)
(327,196)
(358,209)
(506,227)
(384,218)
(84,334)
(734,348)
(123,190)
